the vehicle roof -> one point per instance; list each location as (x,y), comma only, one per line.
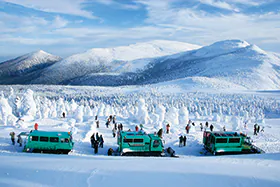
(49,133)
(225,134)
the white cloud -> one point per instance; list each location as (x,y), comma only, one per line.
(220,4)
(59,22)
(71,7)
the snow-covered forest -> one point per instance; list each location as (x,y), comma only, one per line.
(147,108)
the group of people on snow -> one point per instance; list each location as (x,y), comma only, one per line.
(96,142)
(19,141)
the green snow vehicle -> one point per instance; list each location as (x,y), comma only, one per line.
(48,142)
(228,143)
(140,144)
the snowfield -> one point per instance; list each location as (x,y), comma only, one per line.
(154,106)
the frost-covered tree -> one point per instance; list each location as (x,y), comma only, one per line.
(172,116)
(236,123)
(79,114)
(6,112)
(60,107)
(183,116)
(28,107)
(160,111)
(142,112)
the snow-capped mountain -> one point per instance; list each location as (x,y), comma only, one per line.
(107,60)
(25,68)
(232,61)
(227,64)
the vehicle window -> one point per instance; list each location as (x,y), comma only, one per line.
(127,140)
(53,139)
(44,139)
(234,140)
(64,140)
(34,138)
(221,140)
(156,143)
(138,140)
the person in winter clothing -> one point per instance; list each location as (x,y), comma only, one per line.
(12,134)
(19,140)
(97,137)
(201,126)
(211,127)
(181,139)
(92,140)
(185,140)
(255,129)
(160,133)
(95,146)
(101,141)
(206,124)
(97,124)
(167,128)
(193,124)
(224,128)
(121,127)
(141,126)
(107,123)
(110,152)
(136,128)
(63,114)
(188,127)
(114,119)
(96,118)
(115,126)
(114,132)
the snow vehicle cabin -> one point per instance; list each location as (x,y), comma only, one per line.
(228,143)
(48,142)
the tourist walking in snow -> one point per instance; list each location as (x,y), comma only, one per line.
(12,134)
(92,140)
(201,127)
(101,141)
(97,137)
(211,127)
(206,124)
(107,123)
(188,128)
(115,126)
(167,128)
(181,139)
(121,127)
(114,132)
(255,129)
(95,146)
(63,114)
(97,124)
(19,140)
(185,140)
(136,128)
(114,119)
(224,128)
(96,118)
(160,133)
(141,126)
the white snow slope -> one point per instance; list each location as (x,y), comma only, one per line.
(118,59)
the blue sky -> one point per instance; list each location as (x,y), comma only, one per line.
(66,27)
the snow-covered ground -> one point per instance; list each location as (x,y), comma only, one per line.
(154,107)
